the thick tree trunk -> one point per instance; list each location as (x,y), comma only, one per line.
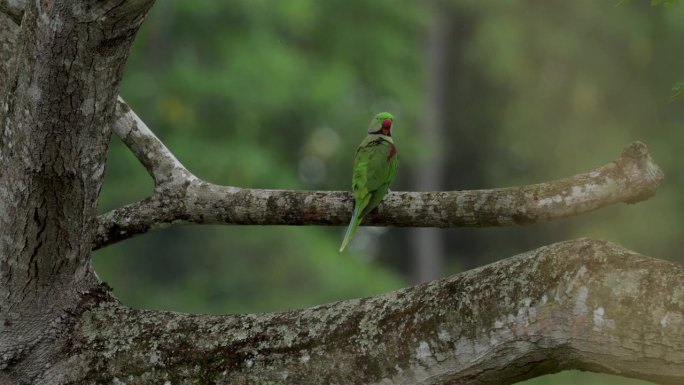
(581,304)
(60,83)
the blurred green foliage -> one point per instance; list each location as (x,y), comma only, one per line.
(257,94)
(678,91)
(664,2)
(277,94)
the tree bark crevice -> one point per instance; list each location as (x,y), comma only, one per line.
(14,9)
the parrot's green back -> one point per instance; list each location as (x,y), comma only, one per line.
(375,166)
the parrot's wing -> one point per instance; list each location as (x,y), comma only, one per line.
(380,166)
(374,168)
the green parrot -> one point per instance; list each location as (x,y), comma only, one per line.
(375,165)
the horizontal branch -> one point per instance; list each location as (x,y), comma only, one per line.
(181,198)
(582,304)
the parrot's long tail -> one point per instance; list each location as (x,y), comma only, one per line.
(351,229)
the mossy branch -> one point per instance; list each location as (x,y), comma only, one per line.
(582,304)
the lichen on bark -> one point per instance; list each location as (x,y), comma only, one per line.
(559,307)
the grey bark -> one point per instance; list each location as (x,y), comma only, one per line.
(60,82)
(14,9)
(581,304)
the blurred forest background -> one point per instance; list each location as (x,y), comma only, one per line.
(277,94)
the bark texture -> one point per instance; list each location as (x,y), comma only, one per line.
(581,304)
(60,83)
(14,9)
(182,198)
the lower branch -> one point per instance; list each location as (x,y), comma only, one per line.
(631,178)
(582,304)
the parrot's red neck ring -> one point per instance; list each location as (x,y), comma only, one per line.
(386,126)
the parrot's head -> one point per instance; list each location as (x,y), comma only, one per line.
(381,124)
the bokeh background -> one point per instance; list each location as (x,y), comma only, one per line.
(277,94)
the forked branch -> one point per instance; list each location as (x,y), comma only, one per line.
(181,198)
(157,159)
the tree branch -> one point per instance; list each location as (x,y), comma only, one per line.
(582,304)
(157,159)
(182,198)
